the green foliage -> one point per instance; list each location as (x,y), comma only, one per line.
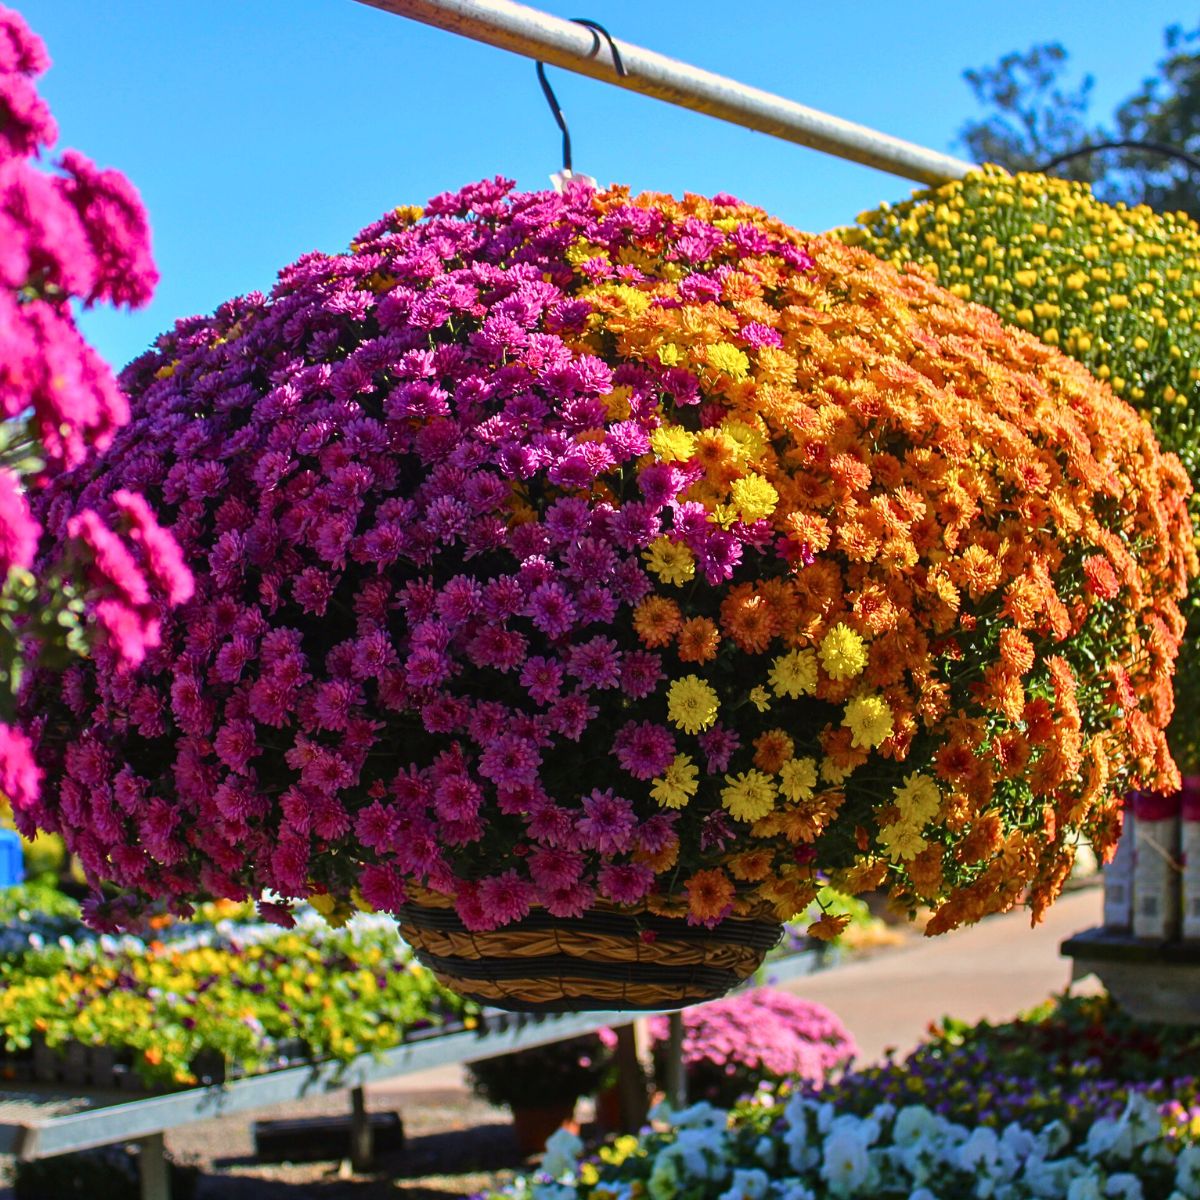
(1036,115)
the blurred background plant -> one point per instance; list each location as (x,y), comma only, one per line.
(763,1036)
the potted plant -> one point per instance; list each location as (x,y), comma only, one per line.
(542,1085)
(761,1036)
(587,578)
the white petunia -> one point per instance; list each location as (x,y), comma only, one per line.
(793,1189)
(749,1184)
(1109,1137)
(980,1152)
(563,1149)
(1187,1171)
(1085,1187)
(915,1123)
(1143,1119)
(846,1163)
(1124,1186)
(765,1150)
(1048,1180)
(553,1191)
(922,1193)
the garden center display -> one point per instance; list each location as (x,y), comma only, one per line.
(586,577)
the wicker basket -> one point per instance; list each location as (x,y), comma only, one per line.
(609,958)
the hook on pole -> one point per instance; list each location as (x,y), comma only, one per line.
(599,36)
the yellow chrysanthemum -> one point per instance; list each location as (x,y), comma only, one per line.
(798,778)
(672,444)
(669,355)
(748,441)
(691,704)
(794,674)
(671,561)
(760,698)
(728,358)
(753,498)
(748,796)
(918,799)
(901,841)
(843,653)
(869,720)
(677,784)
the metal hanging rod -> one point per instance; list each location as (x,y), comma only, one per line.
(555,40)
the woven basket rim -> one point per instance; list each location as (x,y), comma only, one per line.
(764,913)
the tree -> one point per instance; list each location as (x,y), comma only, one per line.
(1038,115)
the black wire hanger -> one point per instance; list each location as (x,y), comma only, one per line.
(599,35)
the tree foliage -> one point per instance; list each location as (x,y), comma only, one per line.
(1037,113)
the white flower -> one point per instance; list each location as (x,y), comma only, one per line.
(1055,1137)
(701,1116)
(1142,1116)
(1048,1180)
(980,1152)
(846,1163)
(922,1193)
(563,1149)
(697,1151)
(915,1123)
(1018,1142)
(793,1189)
(749,1184)
(802,1156)
(1187,1171)
(1110,1137)
(552,1191)
(1085,1187)
(1124,1186)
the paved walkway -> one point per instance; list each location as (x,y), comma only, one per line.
(992,970)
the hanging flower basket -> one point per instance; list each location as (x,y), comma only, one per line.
(609,957)
(586,578)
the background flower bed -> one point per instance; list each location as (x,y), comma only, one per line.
(1074,1100)
(236,994)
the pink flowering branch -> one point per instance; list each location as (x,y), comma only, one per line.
(78,233)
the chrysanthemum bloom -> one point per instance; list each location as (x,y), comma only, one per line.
(1112,286)
(558,551)
(76,234)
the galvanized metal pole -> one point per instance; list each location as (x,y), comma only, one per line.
(563,43)
(676,1080)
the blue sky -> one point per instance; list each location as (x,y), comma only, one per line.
(257,130)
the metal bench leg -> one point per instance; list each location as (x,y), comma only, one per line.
(362,1136)
(152,1163)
